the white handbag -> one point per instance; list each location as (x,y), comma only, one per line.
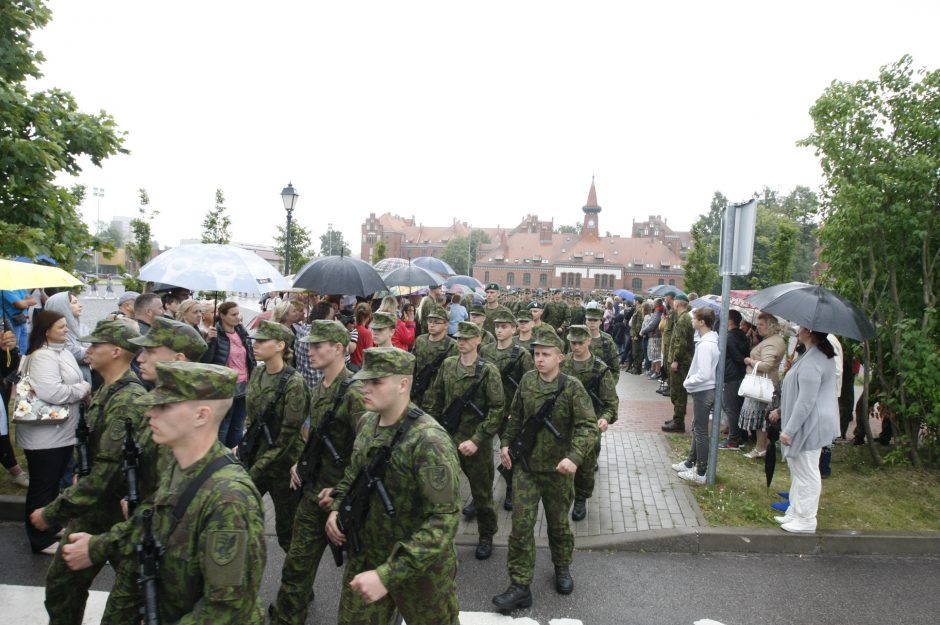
(26,407)
(757,387)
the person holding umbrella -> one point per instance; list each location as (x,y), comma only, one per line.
(809,420)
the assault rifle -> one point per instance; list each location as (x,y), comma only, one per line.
(130,465)
(521,447)
(355,505)
(248,448)
(593,386)
(423,380)
(505,372)
(452,417)
(149,552)
(319,440)
(83,444)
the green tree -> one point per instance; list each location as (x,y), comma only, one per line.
(459,251)
(878,141)
(110,233)
(141,249)
(701,267)
(332,243)
(42,136)
(301,249)
(379,252)
(566,229)
(215,227)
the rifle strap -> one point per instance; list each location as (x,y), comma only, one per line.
(113,390)
(179,510)
(279,393)
(514,357)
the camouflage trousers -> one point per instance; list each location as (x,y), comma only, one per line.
(584,478)
(636,354)
(479,470)
(67,590)
(125,598)
(677,392)
(285,505)
(303,559)
(555,491)
(430,599)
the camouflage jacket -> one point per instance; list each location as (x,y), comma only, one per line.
(682,345)
(422,482)
(636,323)
(576,315)
(97,496)
(604,348)
(556,314)
(342,432)
(211,570)
(284,422)
(489,325)
(573,416)
(488,338)
(501,358)
(667,335)
(607,402)
(426,351)
(452,381)
(527,343)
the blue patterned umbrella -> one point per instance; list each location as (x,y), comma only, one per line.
(434,264)
(211,267)
(388,264)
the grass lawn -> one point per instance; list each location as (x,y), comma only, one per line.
(858,496)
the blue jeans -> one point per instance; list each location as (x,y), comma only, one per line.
(232,427)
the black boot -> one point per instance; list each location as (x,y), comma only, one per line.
(579,511)
(674,426)
(825,458)
(507,502)
(516,596)
(470,510)
(563,582)
(484,548)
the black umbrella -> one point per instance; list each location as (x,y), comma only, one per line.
(411,276)
(814,307)
(770,459)
(339,275)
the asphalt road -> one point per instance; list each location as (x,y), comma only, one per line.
(624,588)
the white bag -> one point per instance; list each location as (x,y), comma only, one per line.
(26,407)
(757,387)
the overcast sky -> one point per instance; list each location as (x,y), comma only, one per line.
(479,111)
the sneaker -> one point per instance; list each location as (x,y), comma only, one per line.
(21,480)
(679,467)
(692,475)
(730,445)
(799,527)
(51,550)
(754,454)
(783,519)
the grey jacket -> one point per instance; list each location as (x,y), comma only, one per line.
(809,409)
(57,379)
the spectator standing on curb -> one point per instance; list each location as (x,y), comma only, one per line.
(15,306)
(67,305)
(404,337)
(363,339)
(737,350)
(146,307)
(765,359)
(7,455)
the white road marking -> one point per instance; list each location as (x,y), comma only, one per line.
(707,621)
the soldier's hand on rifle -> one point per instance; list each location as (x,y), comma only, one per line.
(467,448)
(326,498)
(332,530)
(124,509)
(295,482)
(504,457)
(75,553)
(566,467)
(35,517)
(369,586)
(602,425)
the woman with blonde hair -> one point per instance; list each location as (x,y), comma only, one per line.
(765,359)
(190,311)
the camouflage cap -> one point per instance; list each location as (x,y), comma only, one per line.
(178,336)
(492,286)
(477,310)
(524,315)
(593,312)
(535,304)
(468,330)
(187,381)
(579,333)
(327,331)
(546,337)
(503,315)
(272,331)
(381,362)
(436,310)
(115,332)
(383,320)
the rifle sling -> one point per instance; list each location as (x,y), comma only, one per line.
(467,395)
(328,419)
(439,360)
(179,510)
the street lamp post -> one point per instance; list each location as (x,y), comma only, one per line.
(289,195)
(329,233)
(98,192)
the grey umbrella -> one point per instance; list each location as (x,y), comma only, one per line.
(433,264)
(339,275)
(411,276)
(814,307)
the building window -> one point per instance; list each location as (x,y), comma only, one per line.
(543,279)
(577,279)
(597,281)
(661,282)
(486,276)
(672,283)
(637,285)
(526,279)
(511,278)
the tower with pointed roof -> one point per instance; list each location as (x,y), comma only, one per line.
(591,226)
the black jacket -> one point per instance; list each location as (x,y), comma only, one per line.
(219,348)
(739,348)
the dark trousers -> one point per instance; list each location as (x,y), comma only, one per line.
(7,455)
(232,428)
(731,404)
(46,468)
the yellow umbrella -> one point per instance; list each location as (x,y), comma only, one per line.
(15,276)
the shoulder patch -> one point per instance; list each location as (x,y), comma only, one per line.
(223,546)
(116,431)
(437,483)
(225,561)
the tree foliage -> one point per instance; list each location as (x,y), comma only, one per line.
(215,226)
(332,243)
(878,141)
(43,135)
(567,229)
(301,244)
(379,252)
(141,249)
(459,251)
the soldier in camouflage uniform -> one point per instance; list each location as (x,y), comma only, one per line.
(327,342)
(270,467)
(552,465)
(479,318)
(576,311)
(429,347)
(409,561)
(434,298)
(681,350)
(599,382)
(383,327)
(211,569)
(93,504)
(669,304)
(557,314)
(537,309)
(524,325)
(492,306)
(636,325)
(474,436)
(512,360)
(602,344)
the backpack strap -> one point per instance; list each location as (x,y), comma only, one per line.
(179,510)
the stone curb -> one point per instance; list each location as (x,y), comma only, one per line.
(12,508)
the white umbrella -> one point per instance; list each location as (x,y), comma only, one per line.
(211,267)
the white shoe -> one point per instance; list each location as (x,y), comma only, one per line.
(799,527)
(21,480)
(692,475)
(784,519)
(679,467)
(50,550)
